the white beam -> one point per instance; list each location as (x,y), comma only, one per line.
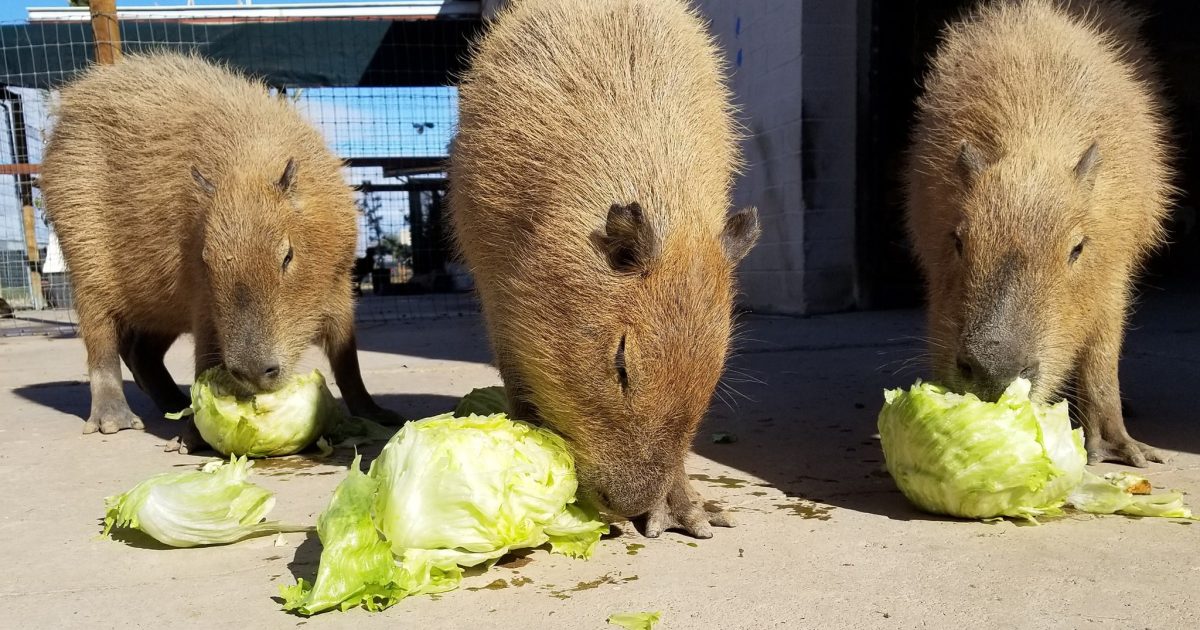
(400,9)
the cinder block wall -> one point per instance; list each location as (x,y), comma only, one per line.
(794,65)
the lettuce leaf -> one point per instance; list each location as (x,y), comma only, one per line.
(212,506)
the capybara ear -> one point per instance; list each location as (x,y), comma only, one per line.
(203,182)
(970,162)
(628,239)
(741,233)
(288,179)
(1085,170)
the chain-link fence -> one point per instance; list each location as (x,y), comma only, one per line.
(377,79)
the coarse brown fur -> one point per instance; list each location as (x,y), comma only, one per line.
(167,179)
(1039,180)
(590,185)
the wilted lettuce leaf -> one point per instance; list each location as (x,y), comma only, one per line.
(635,620)
(211,506)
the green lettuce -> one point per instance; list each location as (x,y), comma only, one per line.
(483,401)
(444,494)
(1111,494)
(635,620)
(957,455)
(282,422)
(212,506)
(357,567)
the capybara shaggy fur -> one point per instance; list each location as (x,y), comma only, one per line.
(187,199)
(590,190)
(1038,182)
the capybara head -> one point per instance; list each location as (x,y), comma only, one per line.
(1017,269)
(268,258)
(628,386)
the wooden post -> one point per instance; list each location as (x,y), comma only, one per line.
(106,30)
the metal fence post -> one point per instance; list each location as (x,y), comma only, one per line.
(25,190)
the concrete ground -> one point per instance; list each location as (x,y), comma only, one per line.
(824,541)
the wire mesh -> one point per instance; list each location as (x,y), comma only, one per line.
(380,89)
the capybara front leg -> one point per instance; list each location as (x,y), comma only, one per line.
(342,350)
(1099,395)
(110,411)
(144,355)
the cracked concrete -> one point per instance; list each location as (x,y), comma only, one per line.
(824,540)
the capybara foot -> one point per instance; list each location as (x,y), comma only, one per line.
(188,441)
(112,420)
(684,509)
(1124,450)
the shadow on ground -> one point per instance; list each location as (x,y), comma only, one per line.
(73,398)
(447,338)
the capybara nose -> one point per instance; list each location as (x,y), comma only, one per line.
(261,377)
(987,376)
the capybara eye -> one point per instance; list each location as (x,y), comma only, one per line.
(619,364)
(958,244)
(1076,251)
(287,259)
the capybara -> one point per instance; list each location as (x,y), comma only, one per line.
(1039,179)
(589,192)
(187,199)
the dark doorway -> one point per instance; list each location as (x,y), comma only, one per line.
(899,36)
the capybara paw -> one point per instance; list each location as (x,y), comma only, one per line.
(1123,451)
(188,441)
(113,420)
(683,509)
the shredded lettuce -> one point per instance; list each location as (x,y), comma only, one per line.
(444,494)
(211,506)
(957,455)
(282,422)
(635,620)
(1113,494)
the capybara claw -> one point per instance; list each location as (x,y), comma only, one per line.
(1124,451)
(112,421)
(683,509)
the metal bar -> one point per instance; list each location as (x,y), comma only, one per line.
(25,189)
(20,169)
(106,30)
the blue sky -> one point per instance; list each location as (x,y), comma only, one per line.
(14,10)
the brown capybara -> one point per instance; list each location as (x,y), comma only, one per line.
(187,199)
(589,192)
(1038,182)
